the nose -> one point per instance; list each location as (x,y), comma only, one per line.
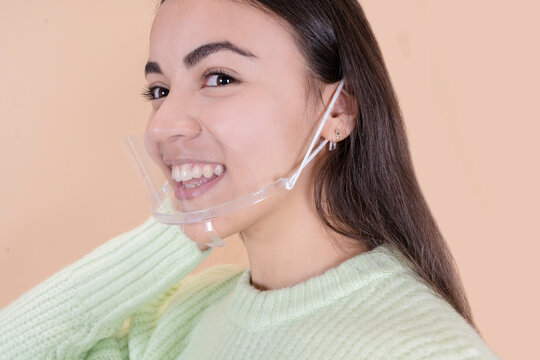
(173,120)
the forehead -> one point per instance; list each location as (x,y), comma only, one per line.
(182,25)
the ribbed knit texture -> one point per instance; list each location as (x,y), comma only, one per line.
(134,298)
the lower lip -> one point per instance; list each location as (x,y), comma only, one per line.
(183,193)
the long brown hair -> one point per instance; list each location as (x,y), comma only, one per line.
(368,185)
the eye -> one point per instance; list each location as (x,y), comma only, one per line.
(218,77)
(154,92)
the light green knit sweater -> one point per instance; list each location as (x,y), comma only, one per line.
(134,298)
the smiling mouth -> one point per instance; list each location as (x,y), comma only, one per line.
(192,175)
(187,187)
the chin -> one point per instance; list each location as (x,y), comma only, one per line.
(233,223)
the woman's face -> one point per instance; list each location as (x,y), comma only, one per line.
(256,109)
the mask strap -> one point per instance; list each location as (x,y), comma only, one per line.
(289,184)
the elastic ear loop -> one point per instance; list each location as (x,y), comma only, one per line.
(292,180)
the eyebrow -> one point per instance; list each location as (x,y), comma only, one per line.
(195,56)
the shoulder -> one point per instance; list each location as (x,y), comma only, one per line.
(187,299)
(175,312)
(406,319)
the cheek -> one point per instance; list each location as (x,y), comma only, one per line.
(266,137)
(260,137)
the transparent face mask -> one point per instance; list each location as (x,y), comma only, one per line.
(192,177)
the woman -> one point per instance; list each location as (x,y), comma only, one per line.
(349,264)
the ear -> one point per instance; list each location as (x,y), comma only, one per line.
(342,116)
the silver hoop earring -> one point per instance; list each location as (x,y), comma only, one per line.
(332,145)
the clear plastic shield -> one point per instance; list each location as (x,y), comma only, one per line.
(194,177)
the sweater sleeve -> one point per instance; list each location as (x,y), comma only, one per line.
(90,300)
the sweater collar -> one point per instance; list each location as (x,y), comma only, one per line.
(254,309)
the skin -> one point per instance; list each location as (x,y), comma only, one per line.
(264,115)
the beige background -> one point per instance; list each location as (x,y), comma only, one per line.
(466,73)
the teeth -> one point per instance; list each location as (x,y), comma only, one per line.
(218,170)
(176,173)
(186,172)
(207,171)
(196,172)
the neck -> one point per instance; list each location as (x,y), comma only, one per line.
(291,244)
